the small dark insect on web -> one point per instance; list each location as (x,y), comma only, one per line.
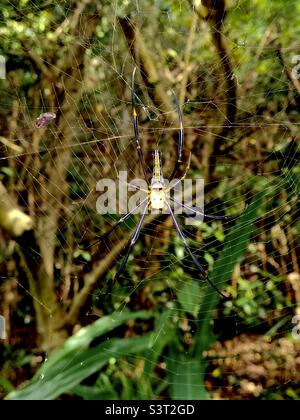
(44,119)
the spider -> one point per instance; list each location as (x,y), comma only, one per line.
(157,198)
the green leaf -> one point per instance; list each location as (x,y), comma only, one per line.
(163,334)
(74,362)
(236,243)
(234,248)
(92,393)
(291,181)
(8,172)
(72,371)
(189,296)
(5,384)
(187,378)
(87,256)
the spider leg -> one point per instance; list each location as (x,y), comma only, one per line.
(136,187)
(183,176)
(180,140)
(129,184)
(195,261)
(198,211)
(136,129)
(133,241)
(115,225)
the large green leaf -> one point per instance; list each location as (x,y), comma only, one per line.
(189,296)
(75,362)
(291,180)
(163,334)
(235,247)
(186,377)
(93,393)
(187,374)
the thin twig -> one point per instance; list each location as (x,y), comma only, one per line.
(187,55)
(11,145)
(295,83)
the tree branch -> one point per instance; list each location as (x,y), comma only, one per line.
(295,83)
(11,145)
(91,278)
(214,12)
(12,219)
(67,94)
(187,55)
(142,57)
(20,227)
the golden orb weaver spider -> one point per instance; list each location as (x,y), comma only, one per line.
(157,193)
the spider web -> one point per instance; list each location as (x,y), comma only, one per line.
(102,144)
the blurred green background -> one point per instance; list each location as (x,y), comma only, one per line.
(160,332)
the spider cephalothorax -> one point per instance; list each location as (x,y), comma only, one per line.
(157,189)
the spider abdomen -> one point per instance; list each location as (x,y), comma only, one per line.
(157,198)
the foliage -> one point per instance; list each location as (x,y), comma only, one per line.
(149,335)
(65,370)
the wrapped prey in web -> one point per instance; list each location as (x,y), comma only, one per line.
(44,119)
